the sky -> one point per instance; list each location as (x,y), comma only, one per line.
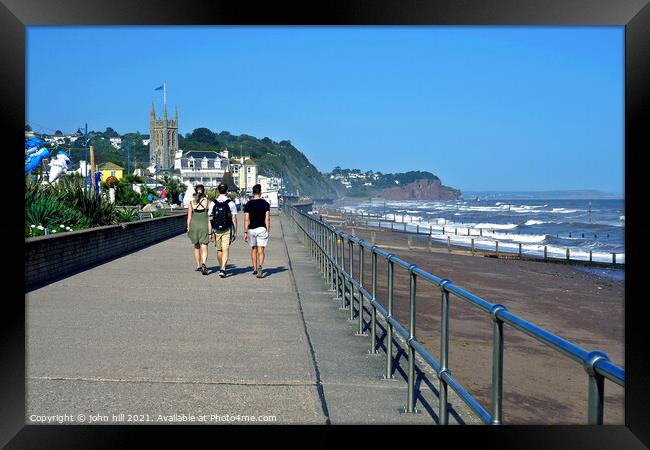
(482,107)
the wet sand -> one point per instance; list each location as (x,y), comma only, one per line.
(541,386)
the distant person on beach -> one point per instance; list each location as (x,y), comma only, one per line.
(199,228)
(223,219)
(257,224)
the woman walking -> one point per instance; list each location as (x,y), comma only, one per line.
(199,228)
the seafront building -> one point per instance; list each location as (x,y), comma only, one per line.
(201,167)
(244,172)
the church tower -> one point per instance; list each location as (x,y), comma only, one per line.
(163,142)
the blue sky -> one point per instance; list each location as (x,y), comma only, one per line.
(484,108)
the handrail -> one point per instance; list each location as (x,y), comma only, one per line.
(327,245)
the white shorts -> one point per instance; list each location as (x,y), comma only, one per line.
(258,237)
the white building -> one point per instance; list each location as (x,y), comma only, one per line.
(202,167)
(116,142)
(269,184)
(244,172)
(84,168)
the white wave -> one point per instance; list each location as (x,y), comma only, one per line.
(497,226)
(529,238)
(622,218)
(564,210)
(534,222)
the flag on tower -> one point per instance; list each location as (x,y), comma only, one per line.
(159,87)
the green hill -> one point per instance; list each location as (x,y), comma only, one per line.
(278,159)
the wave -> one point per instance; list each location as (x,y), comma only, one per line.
(564,211)
(497,226)
(535,222)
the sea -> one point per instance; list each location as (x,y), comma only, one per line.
(578,225)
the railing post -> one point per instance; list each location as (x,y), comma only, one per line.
(328,247)
(331,250)
(497,365)
(472,246)
(319,246)
(351,288)
(389,336)
(341,280)
(373,321)
(545,253)
(497,248)
(520,250)
(360,316)
(596,396)
(443,412)
(410,404)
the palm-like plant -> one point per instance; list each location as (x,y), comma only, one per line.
(174,187)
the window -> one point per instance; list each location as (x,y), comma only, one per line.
(191,163)
(112,173)
(204,163)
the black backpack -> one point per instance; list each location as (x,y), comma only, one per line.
(221,216)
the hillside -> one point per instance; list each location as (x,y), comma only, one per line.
(412,185)
(279,159)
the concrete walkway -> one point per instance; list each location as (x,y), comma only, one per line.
(145,339)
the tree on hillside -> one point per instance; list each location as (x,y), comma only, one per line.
(110,133)
(202,135)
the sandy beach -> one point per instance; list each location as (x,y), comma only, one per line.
(541,386)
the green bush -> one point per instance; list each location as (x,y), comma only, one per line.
(127,215)
(65,203)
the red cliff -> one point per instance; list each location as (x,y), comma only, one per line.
(421,190)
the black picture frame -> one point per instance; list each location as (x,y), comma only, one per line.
(15,15)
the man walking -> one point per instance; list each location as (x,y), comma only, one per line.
(223,218)
(257,224)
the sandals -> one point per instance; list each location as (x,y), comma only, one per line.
(204,270)
(259,272)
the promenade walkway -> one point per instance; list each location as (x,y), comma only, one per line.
(144,337)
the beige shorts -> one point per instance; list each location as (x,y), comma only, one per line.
(222,239)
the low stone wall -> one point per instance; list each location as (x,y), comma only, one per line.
(56,255)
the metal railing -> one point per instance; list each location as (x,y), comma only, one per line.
(326,245)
